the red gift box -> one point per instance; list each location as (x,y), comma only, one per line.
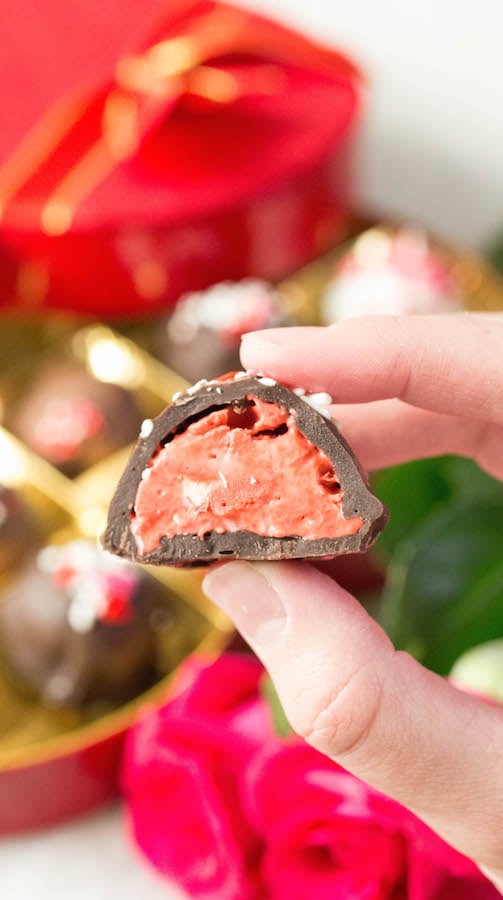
(215,146)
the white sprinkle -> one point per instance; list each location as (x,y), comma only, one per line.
(219,390)
(299,391)
(319,402)
(177,396)
(81,617)
(147,426)
(146,474)
(269,382)
(209,389)
(240,375)
(223,479)
(253,480)
(197,386)
(321,399)
(227,305)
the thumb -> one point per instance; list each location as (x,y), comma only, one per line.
(403,729)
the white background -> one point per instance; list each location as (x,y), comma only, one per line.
(432,145)
(431,149)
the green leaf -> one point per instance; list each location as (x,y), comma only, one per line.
(281,724)
(444,592)
(411,492)
(467,480)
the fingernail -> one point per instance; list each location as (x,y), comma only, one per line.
(267,337)
(245,594)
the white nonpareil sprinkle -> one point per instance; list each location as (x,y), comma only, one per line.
(177,396)
(321,399)
(253,480)
(319,402)
(147,426)
(299,391)
(196,387)
(82,615)
(269,382)
(228,304)
(88,601)
(146,474)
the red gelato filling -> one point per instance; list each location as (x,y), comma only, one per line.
(237,469)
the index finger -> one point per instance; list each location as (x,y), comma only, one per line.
(449,364)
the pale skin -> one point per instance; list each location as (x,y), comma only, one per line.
(403,388)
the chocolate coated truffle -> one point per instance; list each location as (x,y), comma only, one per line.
(72,419)
(390,272)
(242,467)
(203,335)
(77,625)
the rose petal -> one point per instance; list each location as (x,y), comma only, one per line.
(181,822)
(219,689)
(318,853)
(180,781)
(293,772)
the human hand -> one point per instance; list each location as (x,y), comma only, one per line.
(409,387)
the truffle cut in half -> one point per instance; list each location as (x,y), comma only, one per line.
(241,467)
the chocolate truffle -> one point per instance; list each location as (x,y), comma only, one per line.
(16,528)
(202,336)
(390,272)
(241,467)
(72,419)
(77,625)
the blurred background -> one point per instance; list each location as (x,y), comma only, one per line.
(431,132)
(172,175)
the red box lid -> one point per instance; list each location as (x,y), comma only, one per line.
(211,108)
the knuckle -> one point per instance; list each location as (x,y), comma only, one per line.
(343,722)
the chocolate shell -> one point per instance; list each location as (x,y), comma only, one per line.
(312,420)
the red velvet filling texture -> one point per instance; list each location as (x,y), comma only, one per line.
(240,469)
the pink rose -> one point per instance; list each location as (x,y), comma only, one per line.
(323,838)
(328,835)
(182,771)
(224,807)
